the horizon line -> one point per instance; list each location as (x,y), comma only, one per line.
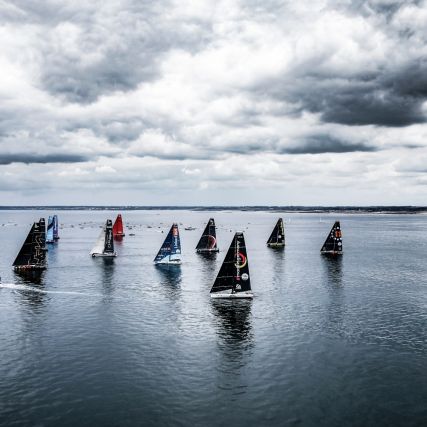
(221,207)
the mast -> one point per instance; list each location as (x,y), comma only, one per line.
(50,227)
(207,242)
(277,237)
(32,255)
(170,251)
(118,227)
(55,227)
(333,243)
(233,279)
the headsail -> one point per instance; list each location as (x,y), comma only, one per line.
(33,252)
(99,245)
(49,234)
(55,227)
(104,246)
(233,280)
(118,227)
(277,237)
(207,242)
(170,251)
(333,243)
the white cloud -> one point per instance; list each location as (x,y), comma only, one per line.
(213,103)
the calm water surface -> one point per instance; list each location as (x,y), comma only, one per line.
(121,342)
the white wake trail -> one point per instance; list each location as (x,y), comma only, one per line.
(42,291)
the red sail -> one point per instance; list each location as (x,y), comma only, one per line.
(118,227)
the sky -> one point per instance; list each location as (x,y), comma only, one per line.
(249,102)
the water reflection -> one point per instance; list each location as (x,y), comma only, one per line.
(34,278)
(277,256)
(234,327)
(107,267)
(31,278)
(333,279)
(234,321)
(332,267)
(207,257)
(170,278)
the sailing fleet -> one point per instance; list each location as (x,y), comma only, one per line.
(232,281)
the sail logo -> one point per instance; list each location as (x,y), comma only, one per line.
(241,261)
(211,242)
(108,240)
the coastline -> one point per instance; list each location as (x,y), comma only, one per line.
(402,210)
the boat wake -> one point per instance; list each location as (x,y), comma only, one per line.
(42,291)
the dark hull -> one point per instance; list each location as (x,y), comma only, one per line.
(276,245)
(204,251)
(331,253)
(29,267)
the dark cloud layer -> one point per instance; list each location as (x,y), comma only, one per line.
(392,98)
(7,159)
(320,144)
(389,91)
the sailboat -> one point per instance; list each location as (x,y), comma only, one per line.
(207,242)
(277,237)
(233,280)
(104,246)
(32,255)
(333,243)
(170,251)
(55,228)
(118,228)
(49,233)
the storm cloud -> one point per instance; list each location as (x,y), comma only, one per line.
(7,159)
(324,144)
(202,102)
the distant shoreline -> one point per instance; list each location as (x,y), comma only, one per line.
(296,209)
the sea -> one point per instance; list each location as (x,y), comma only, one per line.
(324,342)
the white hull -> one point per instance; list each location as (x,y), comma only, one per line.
(172,262)
(237,295)
(95,255)
(331,252)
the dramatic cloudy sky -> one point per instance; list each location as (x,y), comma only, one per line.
(213,102)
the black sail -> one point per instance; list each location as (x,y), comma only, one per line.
(33,252)
(333,243)
(109,241)
(207,242)
(277,237)
(234,272)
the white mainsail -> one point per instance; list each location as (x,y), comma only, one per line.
(99,245)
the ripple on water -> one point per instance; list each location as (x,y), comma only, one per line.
(324,341)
